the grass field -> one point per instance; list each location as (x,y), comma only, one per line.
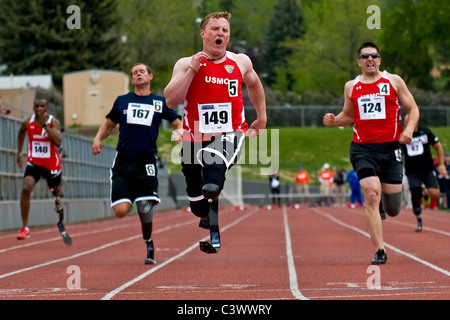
(309,146)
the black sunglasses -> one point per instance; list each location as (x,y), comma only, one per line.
(367,55)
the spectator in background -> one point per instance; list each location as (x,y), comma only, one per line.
(302,184)
(355,189)
(326,183)
(275,188)
(339,180)
(4,112)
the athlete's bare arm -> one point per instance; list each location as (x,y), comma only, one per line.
(183,73)
(177,133)
(21,140)
(255,92)
(345,117)
(407,100)
(54,132)
(103,132)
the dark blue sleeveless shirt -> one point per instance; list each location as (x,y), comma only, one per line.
(139,118)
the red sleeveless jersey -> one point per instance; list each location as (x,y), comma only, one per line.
(376,111)
(214,101)
(41,151)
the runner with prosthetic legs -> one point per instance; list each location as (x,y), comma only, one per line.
(145,211)
(205,166)
(209,85)
(44,137)
(420,167)
(134,173)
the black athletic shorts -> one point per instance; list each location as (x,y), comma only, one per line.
(429,179)
(53,177)
(134,179)
(221,153)
(385,159)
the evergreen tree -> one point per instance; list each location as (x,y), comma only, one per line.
(286,24)
(35,38)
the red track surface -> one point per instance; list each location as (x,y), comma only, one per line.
(280,254)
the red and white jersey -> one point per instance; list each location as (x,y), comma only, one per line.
(376,111)
(214,102)
(41,151)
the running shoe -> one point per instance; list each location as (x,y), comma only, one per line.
(24,233)
(419,225)
(380,257)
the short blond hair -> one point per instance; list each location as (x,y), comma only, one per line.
(214,15)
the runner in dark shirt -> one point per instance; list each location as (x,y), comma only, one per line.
(134,174)
(419,167)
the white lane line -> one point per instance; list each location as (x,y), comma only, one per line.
(114,292)
(426,263)
(293,283)
(402,223)
(90,251)
(75,235)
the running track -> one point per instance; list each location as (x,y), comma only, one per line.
(285,253)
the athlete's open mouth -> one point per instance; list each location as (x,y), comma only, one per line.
(218,42)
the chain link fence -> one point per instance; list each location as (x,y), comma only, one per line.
(312,116)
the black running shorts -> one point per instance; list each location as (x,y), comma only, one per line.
(217,155)
(53,177)
(428,178)
(385,159)
(134,179)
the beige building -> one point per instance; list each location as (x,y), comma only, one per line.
(17,93)
(18,103)
(90,94)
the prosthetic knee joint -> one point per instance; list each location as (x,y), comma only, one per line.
(211,192)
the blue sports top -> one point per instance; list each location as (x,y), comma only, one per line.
(139,118)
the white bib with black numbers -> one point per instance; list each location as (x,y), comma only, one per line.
(142,114)
(371,108)
(415,148)
(215,117)
(40,149)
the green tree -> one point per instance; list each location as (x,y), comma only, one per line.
(324,58)
(405,44)
(34,38)
(286,25)
(248,24)
(415,39)
(157,35)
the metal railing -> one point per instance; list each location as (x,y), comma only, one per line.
(312,115)
(84,175)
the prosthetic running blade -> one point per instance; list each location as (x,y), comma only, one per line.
(150,253)
(212,246)
(66,238)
